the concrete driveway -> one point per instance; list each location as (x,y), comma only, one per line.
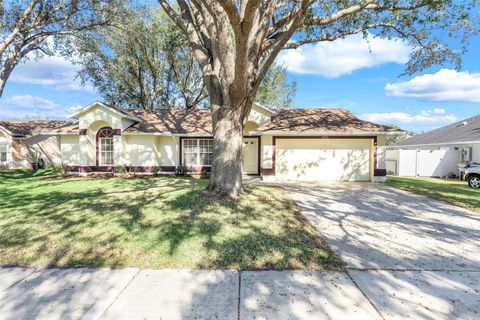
(410,255)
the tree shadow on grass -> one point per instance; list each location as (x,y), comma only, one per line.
(263,230)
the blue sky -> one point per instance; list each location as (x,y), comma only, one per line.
(347,73)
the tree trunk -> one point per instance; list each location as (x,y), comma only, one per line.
(226,175)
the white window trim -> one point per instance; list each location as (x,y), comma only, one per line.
(101,160)
(197,153)
(7,152)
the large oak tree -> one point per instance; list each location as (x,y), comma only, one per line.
(236,41)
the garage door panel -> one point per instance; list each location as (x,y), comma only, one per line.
(322,159)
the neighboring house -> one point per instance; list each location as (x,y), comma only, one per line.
(437,153)
(16,137)
(294,144)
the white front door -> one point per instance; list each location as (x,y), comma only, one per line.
(250,156)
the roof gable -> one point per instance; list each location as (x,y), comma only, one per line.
(122,113)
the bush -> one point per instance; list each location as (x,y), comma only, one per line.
(4,166)
(182,171)
(156,170)
(121,170)
(61,169)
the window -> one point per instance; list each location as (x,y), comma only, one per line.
(106,151)
(197,152)
(3,152)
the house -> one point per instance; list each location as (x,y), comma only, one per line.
(294,144)
(16,137)
(437,153)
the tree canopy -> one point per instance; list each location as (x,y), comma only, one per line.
(46,26)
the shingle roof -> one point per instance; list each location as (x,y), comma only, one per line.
(324,120)
(172,121)
(467,130)
(27,128)
(66,128)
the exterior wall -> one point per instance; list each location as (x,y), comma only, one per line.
(142,150)
(381,151)
(70,150)
(249,126)
(18,151)
(476,152)
(47,146)
(259,116)
(100,114)
(169,149)
(266,154)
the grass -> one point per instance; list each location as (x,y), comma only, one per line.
(161,222)
(452,191)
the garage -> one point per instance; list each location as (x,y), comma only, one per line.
(323,159)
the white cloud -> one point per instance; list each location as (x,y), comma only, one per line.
(445,85)
(50,71)
(436,116)
(343,56)
(22,106)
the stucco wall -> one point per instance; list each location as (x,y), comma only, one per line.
(381,151)
(142,150)
(266,154)
(258,115)
(48,148)
(70,150)
(100,114)
(169,148)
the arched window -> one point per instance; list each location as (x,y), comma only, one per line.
(105,147)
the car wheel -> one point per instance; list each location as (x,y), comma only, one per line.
(474,181)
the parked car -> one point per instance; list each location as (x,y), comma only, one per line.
(472,174)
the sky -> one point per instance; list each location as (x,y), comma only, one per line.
(348,73)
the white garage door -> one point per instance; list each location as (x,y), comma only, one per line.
(323,159)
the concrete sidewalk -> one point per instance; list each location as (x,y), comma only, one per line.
(183,294)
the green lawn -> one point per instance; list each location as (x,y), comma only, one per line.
(161,222)
(452,191)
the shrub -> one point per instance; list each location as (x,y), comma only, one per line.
(60,169)
(182,171)
(4,166)
(121,170)
(156,170)
(451,175)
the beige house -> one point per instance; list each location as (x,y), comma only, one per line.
(287,145)
(17,137)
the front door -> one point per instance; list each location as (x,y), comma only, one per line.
(250,156)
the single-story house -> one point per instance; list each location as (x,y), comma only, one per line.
(17,137)
(294,144)
(437,153)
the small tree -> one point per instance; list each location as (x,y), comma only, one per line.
(236,42)
(27,25)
